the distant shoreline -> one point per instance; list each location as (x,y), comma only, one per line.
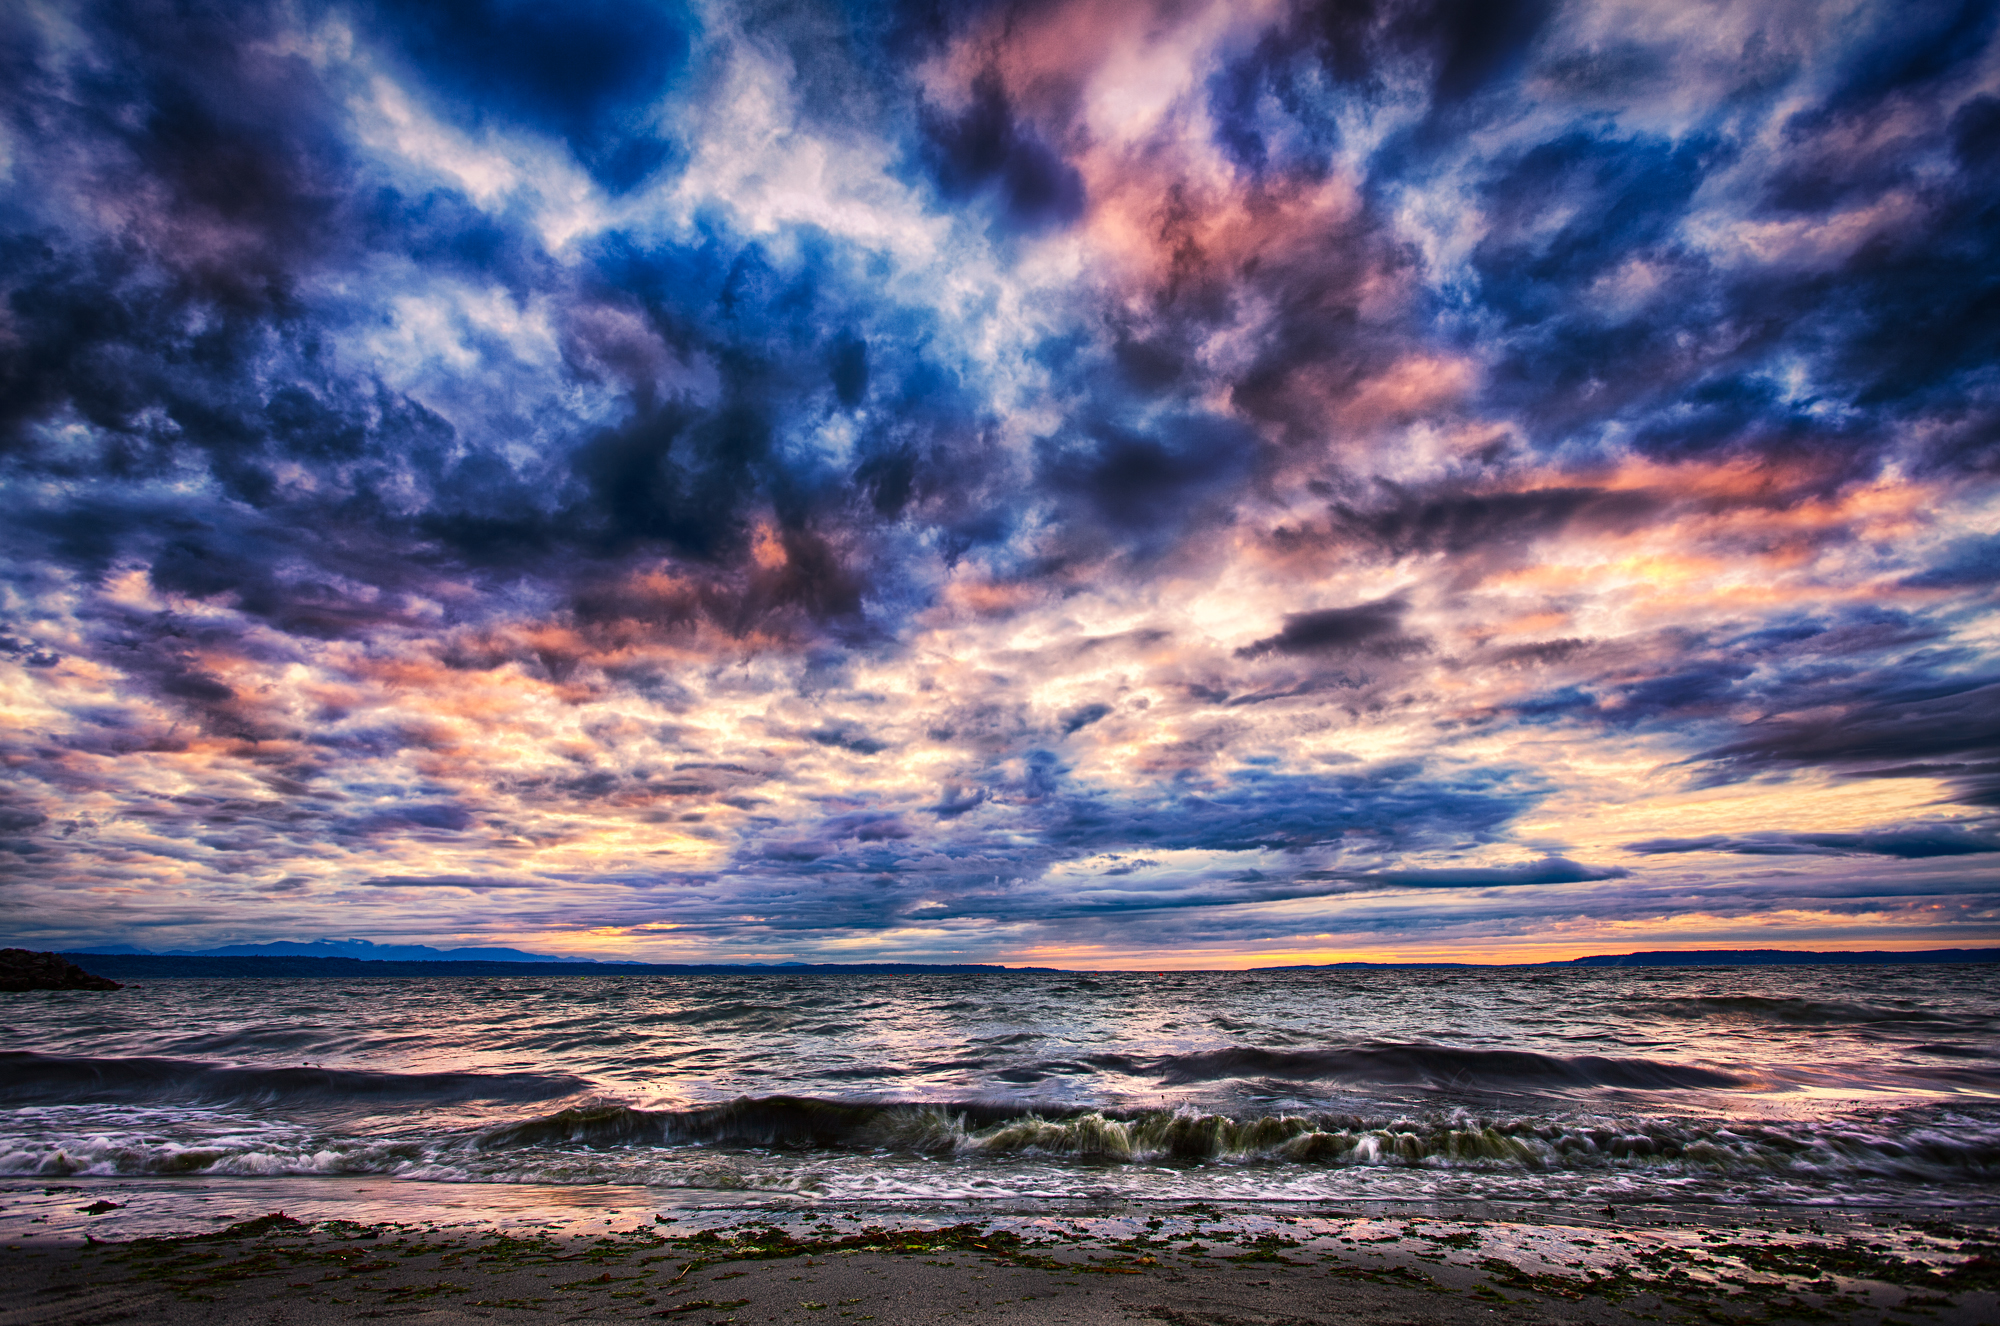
(167,966)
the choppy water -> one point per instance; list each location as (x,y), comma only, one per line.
(1765,1085)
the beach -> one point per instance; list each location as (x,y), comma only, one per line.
(609,1255)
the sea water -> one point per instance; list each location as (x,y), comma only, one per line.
(1818,1086)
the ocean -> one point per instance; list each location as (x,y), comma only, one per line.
(1009,1092)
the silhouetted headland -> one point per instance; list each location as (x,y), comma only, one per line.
(21,969)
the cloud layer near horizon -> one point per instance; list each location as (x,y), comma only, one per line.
(1084,482)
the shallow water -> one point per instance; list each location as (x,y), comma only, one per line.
(1826,1085)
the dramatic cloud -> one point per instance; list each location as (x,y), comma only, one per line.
(1940,840)
(1101,482)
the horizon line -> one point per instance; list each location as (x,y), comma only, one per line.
(1888,956)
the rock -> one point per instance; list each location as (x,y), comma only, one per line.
(22,970)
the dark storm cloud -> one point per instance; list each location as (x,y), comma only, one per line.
(1148,487)
(1373,628)
(204,344)
(248,184)
(1910,843)
(1612,199)
(1406,522)
(1082,717)
(1948,728)
(984,148)
(1877,696)
(1017,830)
(1888,330)
(1917,47)
(589,73)
(1974,564)
(1261,809)
(1551,870)
(477,884)
(1134,890)
(1461,47)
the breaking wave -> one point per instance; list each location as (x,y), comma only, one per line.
(1457,1141)
(113,1154)
(689,1148)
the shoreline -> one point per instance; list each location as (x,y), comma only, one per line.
(652,1256)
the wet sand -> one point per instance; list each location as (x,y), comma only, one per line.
(277,1270)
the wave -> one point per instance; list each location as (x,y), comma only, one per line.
(1442,1066)
(1802,1012)
(1979,1079)
(797,1122)
(109,1156)
(1951,1050)
(798,1137)
(1459,1140)
(28,1078)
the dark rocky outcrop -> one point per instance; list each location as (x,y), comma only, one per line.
(22,970)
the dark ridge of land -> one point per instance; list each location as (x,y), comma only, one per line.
(1711,957)
(162,966)
(1774,957)
(21,970)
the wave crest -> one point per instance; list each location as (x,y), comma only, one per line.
(1163,1136)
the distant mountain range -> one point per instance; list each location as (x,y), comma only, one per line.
(162,966)
(1704,957)
(1780,957)
(359,949)
(343,958)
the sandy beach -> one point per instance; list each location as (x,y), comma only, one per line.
(1192,1267)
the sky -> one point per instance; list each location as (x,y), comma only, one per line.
(1158,483)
